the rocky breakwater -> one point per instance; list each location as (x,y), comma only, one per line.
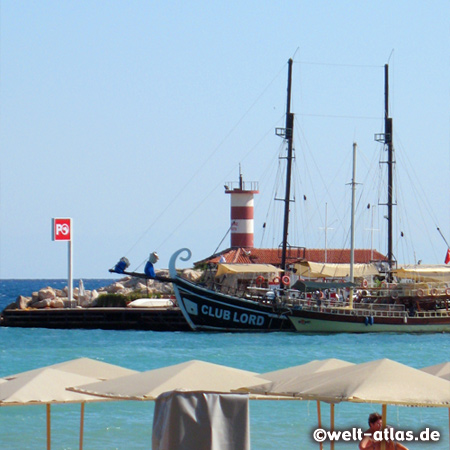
(128,287)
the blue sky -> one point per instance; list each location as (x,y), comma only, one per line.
(130,117)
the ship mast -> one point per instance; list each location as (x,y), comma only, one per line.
(287,133)
(386,138)
(352,234)
(390,163)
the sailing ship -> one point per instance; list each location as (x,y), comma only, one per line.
(420,305)
(410,299)
(258,309)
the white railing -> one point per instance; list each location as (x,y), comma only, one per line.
(364,310)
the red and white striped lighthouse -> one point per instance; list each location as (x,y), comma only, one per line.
(242,212)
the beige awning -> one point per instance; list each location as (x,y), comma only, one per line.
(223,269)
(48,385)
(383,381)
(436,273)
(188,376)
(439,370)
(308,370)
(328,270)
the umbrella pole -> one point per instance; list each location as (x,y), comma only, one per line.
(319,421)
(384,421)
(48,428)
(81,425)
(332,423)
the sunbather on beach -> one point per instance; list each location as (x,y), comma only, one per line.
(369,443)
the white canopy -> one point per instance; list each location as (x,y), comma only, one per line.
(188,376)
(436,273)
(439,370)
(308,369)
(48,385)
(382,381)
(223,269)
(328,270)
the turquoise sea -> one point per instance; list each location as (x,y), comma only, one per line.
(128,425)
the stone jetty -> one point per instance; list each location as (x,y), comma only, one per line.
(50,297)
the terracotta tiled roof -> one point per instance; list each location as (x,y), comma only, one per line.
(273,256)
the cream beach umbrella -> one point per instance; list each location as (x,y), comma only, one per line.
(47,385)
(306,371)
(83,366)
(383,381)
(188,376)
(439,370)
(442,371)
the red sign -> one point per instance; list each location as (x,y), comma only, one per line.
(62,229)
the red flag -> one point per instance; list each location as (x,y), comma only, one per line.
(447,257)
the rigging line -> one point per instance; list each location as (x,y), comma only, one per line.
(422,192)
(207,159)
(274,162)
(401,212)
(336,116)
(319,173)
(367,66)
(226,234)
(220,183)
(252,149)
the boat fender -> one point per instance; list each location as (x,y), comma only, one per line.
(405,319)
(371,320)
(260,280)
(276,280)
(366,321)
(286,280)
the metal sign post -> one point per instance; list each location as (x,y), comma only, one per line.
(62,231)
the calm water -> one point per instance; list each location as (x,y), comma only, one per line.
(127,425)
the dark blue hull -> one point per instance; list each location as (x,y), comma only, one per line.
(207,310)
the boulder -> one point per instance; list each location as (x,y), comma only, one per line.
(47,293)
(192,275)
(45,303)
(140,287)
(12,305)
(88,299)
(57,303)
(162,273)
(115,288)
(129,282)
(22,302)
